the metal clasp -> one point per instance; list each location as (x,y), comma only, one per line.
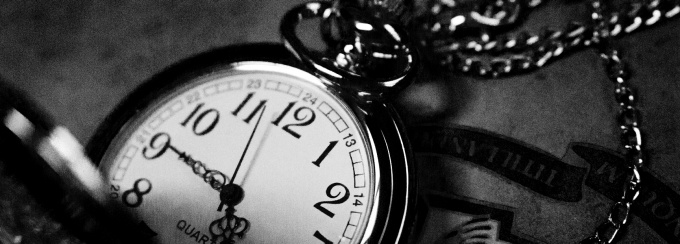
(367,55)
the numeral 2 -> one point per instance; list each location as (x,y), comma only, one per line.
(114,191)
(338,199)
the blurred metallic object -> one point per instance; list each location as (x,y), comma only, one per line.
(6,237)
(51,163)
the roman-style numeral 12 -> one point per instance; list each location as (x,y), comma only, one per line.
(304,115)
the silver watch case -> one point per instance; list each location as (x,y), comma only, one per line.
(395,192)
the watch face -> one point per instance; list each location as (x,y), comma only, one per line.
(255,152)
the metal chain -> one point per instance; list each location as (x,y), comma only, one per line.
(513,54)
(535,50)
(545,47)
(628,120)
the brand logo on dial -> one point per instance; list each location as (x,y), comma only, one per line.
(552,177)
(192,232)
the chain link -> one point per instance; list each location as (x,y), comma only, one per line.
(631,138)
(491,54)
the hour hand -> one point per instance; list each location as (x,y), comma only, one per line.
(159,145)
(214,178)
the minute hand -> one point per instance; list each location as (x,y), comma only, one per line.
(243,155)
(232,194)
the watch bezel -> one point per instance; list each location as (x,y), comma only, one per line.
(394,192)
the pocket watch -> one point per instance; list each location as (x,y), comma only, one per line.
(245,144)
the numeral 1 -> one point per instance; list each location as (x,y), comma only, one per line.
(356,201)
(325,153)
(348,136)
(254,112)
(322,238)
(243,103)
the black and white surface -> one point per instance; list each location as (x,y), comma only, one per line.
(79,59)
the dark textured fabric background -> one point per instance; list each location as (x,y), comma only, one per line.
(78,59)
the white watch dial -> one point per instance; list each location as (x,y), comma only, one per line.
(306,174)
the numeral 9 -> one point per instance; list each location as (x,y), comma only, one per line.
(161,142)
